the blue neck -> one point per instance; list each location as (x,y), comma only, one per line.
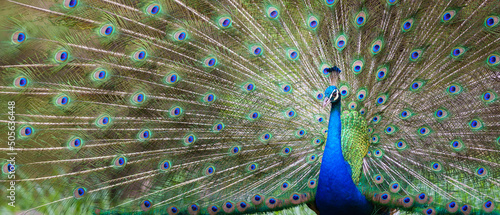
(337,193)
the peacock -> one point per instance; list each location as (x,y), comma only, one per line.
(249,106)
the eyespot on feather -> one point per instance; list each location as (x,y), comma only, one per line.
(344,91)
(180,35)
(209,97)
(362,111)
(100,74)
(421,198)
(193,209)
(139,55)
(406,201)
(290,113)
(377,46)
(357,66)
(249,87)
(378,153)
(401,145)
(103,121)
(225,22)
(361,95)
(313,22)
(265,137)
(394,187)
(360,19)
(415,55)
(257,199)
(312,183)
(256,50)
(488,96)
(273,13)
(106,30)
(352,105)
(466,209)
(424,131)
(70,4)
(493,60)
(454,89)
(436,166)
(330,2)
(481,172)
(491,21)
(165,165)
(382,73)
(18,37)
(7,168)
(138,98)
(448,15)
(79,192)
(272,202)
(452,207)
(429,211)
(172,210)
(153,9)
(457,52)
(144,135)
(61,56)
(75,143)
(340,42)
(212,210)
(392,2)
(209,170)
(21,82)
(228,207)
(293,54)
(286,151)
(252,167)
(175,111)
(218,126)
(242,206)
(146,205)
(120,161)
(407,25)
(489,206)
(374,139)
(189,139)
(234,150)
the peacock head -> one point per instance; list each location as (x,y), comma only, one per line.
(331,95)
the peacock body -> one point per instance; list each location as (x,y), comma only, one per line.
(230,106)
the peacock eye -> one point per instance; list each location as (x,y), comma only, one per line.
(18,37)
(106,30)
(70,3)
(153,9)
(210,62)
(180,35)
(146,205)
(225,22)
(313,22)
(165,165)
(144,135)
(139,55)
(75,143)
(272,12)
(119,161)
(79,192)
(61,56)
(256,50)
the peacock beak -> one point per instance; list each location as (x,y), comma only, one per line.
(326,101)
(333,97)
